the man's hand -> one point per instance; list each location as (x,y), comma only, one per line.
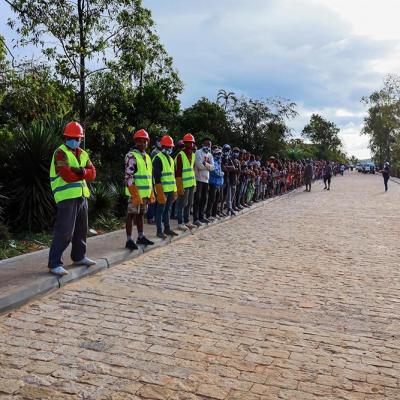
(152,198)
(78,171)
(179,185)
(161,198)
(135,197)
(174,196)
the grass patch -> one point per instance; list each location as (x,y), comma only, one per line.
(23,243)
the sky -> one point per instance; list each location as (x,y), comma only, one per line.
(323,54)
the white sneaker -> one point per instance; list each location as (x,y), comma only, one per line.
(60,271)
(85,261)
(189,225)
(182,227)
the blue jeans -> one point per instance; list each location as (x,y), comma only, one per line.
(151,210)
(163,212)
(183,205)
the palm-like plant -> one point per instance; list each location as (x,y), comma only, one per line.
(226,98)
(31,205)
(102,200)
(121,199)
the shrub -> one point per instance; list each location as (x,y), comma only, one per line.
(102,200)
(107,223)
(31,204)
(121,200)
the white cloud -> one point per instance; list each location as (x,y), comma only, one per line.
(323,54)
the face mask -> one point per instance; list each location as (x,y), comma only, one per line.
(167,151)
(206,149)
(72,143)
(235,154)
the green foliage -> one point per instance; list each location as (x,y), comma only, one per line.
(205,118)
(259,126)
(226,98)
(323,133)
(107,223)
(4,233)
(102,200)
(121,199)
(382,123)
(32,94)
(31,204)
(114,32)
(22,243)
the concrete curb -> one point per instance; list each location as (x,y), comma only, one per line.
(45,285)
(49,283)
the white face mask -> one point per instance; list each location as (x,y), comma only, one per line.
(167,151)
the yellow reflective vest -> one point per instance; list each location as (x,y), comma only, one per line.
(63,190)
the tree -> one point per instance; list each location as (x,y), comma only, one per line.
(353,160)
(90,35)
(226,98)
(322,132)
(31,93)
(259,126)
(206,118)
(382,123)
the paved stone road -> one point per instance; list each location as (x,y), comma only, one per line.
(299,299)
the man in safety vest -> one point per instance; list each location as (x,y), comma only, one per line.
(69,171)
(139,187)
(165,187)
(185,182)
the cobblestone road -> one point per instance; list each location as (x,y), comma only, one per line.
(299,299)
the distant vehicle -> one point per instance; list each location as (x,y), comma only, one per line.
(368,168)
(359,167)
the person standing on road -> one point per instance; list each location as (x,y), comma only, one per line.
(386,175)
(165,187)
(308,175)
(138,181)
(70,169)
(185,182)
(204,163)
(327,175)
(216,183)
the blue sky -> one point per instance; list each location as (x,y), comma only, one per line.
(323,54)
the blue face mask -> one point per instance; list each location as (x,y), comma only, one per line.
(72,143)
(167,151)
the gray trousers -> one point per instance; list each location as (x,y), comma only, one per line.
(71,226)
(230,195)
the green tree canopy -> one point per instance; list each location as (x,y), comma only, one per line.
(83,37)
(322,132)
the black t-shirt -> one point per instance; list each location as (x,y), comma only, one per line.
(386,170)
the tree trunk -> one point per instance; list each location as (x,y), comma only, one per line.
(82,59)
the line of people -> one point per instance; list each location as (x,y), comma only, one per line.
(197,185)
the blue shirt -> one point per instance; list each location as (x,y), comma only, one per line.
(217,175)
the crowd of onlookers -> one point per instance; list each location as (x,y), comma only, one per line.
(195,184)
(234,180)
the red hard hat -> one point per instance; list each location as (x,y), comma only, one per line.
(188,138)
(141,134)
(167,141)
(73,130)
